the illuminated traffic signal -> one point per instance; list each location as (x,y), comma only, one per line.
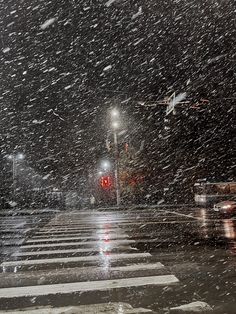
(106,182)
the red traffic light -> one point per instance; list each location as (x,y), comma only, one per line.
(106,182)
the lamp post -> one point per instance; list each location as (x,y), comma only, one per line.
(115,126)
(14,158)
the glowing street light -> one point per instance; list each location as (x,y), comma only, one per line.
(114,113)
(105,164)
(18,156)
(115,125)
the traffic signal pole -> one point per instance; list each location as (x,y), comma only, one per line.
(14,175)
(117,178)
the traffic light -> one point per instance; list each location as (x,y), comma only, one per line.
(106,182)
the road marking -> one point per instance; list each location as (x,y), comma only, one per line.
(93,223)
(82,234)
(78,243)
(81,221)
(12,242)
(166,222)
(66,288)
(136,267)
(64,229)
(110,236)
(10,237)
(18,279)
(98,269)
(64,260)
(183,215)
(108,308)
(143,222)
(36,253)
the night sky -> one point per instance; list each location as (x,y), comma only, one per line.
(64,63)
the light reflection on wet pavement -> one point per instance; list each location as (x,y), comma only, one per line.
(135,256)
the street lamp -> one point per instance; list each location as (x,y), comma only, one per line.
(105,165)
(115,126)
(114,113)
(20,156)
(14,158)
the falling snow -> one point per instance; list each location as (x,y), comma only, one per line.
(108,3)
(5,50)
(64,64)
(107,68)
(140,11)
(47,23)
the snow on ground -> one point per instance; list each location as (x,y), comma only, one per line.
(193,307)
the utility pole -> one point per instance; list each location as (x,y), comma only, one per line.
(115,126)
(14,174)
(117,177)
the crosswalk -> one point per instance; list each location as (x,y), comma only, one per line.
(16,225)
(80,258)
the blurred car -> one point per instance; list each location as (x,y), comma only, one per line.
(226,207)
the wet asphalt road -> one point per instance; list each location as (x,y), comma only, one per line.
(154,258)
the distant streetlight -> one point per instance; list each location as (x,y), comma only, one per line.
(20,156)
(114,113)
(105,165)
(14,158)
(115,124)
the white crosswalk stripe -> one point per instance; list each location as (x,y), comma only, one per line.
(58,239)
(108,308)
(53,252)
(109,257)
(65,288)
(78,243)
